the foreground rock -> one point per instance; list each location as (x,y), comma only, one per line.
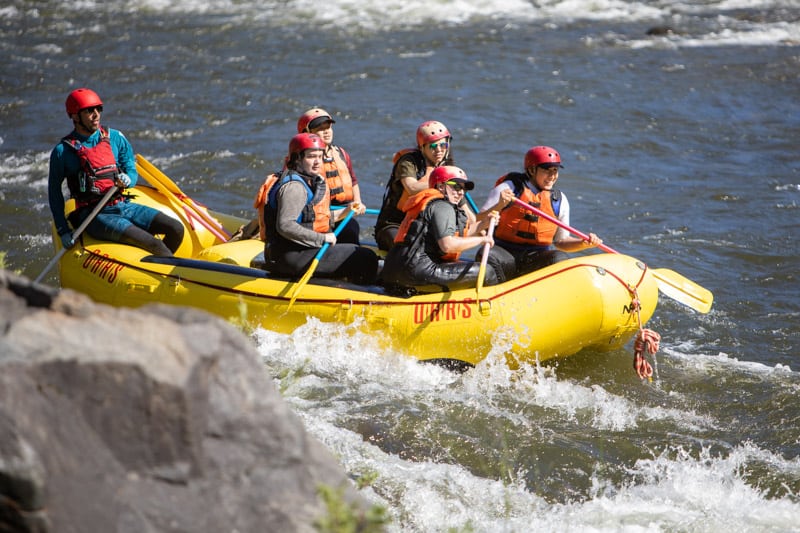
(145,421)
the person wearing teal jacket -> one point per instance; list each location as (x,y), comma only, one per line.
(93,159)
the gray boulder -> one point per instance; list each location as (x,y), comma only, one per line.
(154,420)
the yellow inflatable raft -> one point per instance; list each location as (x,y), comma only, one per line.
(585,302)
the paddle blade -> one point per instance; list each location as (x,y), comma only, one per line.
(683,290)
(303,281)
(169,189)
(154,174)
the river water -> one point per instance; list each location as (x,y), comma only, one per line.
(664,138)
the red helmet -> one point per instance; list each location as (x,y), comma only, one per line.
(305,141)
(542,155)
(81,99)
(449,173)
(313,118)
(430,131)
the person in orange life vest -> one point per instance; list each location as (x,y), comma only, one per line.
(92,159)
(337,169)
(523,241)
(433,234)
(410,173)
(299,221)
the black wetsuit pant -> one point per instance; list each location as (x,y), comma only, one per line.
(511,262)
(342,260)
(385,236)
(349,233)
(132,224)
(161,225)
(426,275)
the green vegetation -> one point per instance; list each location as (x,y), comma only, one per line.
(348,517)
(467,528)
(4,266)
(366,479)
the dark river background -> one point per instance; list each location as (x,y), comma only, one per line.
(680,149)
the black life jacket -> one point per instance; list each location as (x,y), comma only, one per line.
(316,214)
(395,194)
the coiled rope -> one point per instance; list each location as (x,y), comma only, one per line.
(647,340)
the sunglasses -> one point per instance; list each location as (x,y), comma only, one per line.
(92,109)
(455,186)
(441,144)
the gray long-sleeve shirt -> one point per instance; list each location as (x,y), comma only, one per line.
(292,198)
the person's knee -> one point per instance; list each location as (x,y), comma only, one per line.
(491,277)
(171,228)
(502,268)
(350,233)
(549,257)
(367,273)
(385,237)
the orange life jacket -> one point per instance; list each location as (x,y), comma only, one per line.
(521,226)
(414,208)
(261,200)
(336,171)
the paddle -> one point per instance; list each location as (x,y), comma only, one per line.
(77,233)
(484,258)
(670,283)
(471,202)
(315,262)
(169,189)
(190,214)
